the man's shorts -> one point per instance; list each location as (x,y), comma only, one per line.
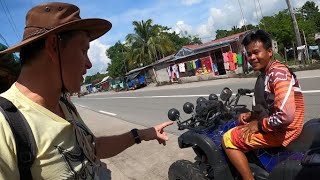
(232,139)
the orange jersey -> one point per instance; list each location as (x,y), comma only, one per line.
(287,112)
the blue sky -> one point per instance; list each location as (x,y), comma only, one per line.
(197,17)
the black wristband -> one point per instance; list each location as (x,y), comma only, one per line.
(136,136)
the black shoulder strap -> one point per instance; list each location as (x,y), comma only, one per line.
(25,143)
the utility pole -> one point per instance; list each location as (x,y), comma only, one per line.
(296,28)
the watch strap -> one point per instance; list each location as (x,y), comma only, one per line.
(136,136)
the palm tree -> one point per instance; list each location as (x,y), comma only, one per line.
(148,43)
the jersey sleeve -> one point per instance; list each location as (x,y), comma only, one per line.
(281,85)
(8,161)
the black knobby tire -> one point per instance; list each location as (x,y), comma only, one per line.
(185,170)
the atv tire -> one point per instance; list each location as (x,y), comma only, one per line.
(185,170)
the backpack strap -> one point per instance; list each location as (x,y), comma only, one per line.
(25,143)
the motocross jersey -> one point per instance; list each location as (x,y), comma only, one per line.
(279,103)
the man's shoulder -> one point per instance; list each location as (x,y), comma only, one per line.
(278,72)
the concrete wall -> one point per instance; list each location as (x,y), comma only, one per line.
(162,73)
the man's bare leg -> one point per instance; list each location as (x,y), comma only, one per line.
(240,162)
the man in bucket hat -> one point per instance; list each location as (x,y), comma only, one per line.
(54,58)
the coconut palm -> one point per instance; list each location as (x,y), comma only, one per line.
(148,43)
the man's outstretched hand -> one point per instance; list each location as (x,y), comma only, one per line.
(156,132)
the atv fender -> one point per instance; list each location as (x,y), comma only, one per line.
(203,144)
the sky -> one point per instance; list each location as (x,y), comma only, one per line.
(198,17)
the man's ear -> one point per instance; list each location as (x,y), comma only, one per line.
(270,52)
(51,48)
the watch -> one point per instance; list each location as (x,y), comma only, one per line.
(136,136)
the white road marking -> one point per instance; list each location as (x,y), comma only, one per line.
(311,91)
(108,113)
(308,77)
(181,96)
(81,105)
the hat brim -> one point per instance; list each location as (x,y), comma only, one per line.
(95,28)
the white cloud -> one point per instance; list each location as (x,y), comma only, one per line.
(190,2)
(97,55)
(182,28)
(228,14)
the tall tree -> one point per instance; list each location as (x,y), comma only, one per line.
(309,10)
(148,43)
(119,64)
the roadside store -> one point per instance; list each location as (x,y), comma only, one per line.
(215,58)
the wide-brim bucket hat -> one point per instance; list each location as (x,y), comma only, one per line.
(56,17)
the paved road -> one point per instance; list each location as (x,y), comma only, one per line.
(149,106)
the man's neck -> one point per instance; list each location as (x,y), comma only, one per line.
(41,89)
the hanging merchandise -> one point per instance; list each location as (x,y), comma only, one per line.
(197,62)
(226,61)
(215,68)
(234,57)
(239,59)
(225,57)
(175,70)
(182,67)
(231,61)
(194,64)
(206,65)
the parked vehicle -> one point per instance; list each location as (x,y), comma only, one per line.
(210,119)
(136,80)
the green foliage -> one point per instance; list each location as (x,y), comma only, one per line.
(278,57)
(234,30)
(148,43)
(119,63)
(94,78)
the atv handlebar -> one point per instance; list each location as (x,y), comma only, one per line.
(209,113)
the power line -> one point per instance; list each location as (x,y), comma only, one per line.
(9,17)
(261,14)
(244,21)
(260,8)
(4,40)
(14,24)
(255,6)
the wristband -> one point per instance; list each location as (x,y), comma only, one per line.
(136,136)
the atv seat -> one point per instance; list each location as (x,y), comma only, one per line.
(309,137)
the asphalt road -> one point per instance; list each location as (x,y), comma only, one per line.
(149,106)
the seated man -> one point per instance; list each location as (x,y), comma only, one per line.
(278,111)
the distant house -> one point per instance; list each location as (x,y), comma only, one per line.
(104,84)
